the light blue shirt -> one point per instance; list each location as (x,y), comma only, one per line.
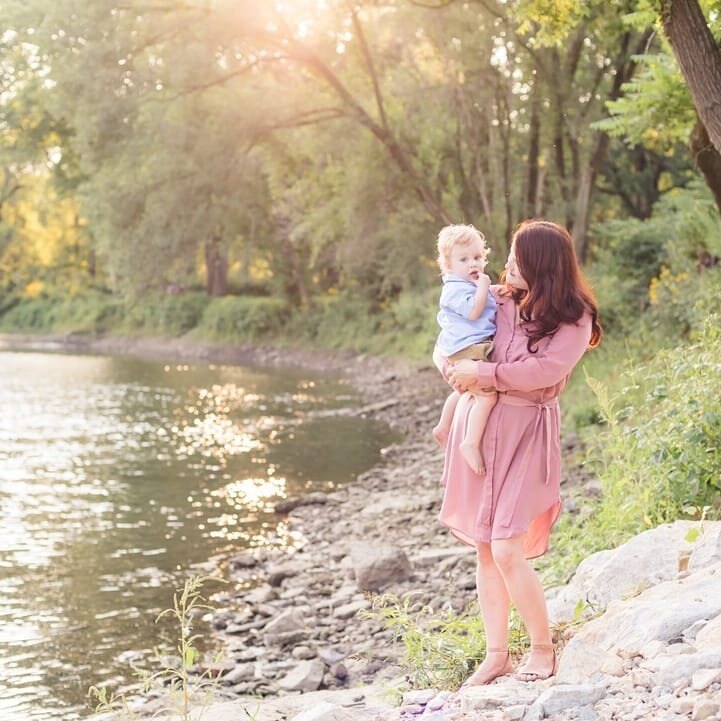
(457,330)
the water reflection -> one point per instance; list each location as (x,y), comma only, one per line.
(117,477)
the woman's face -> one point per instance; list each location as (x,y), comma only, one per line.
(513,275)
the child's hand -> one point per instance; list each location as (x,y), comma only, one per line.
(483,281)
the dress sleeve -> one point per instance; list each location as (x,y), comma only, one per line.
(543,369)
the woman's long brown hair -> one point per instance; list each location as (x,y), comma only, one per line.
(557,291)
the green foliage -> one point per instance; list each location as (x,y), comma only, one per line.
(166,314)
(342,320)
(656,109)
(550,21)
(405,326)
(660,454)
(244,318)
(89,312)
(186,689)
(441,649)
(646,267)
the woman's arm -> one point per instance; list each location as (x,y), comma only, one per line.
(541,370)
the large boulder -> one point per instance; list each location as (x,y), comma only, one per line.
(661,613)
(378,566)
(652,557)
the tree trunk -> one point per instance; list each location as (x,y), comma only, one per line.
(296,272)
(625,68)
(296,285)
(216,268)
(707,159)
(699,59)
(534,150)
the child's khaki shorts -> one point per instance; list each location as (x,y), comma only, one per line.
(476,352)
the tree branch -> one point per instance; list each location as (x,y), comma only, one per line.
(220,80)
(371,67)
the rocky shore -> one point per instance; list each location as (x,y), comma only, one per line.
(638,627)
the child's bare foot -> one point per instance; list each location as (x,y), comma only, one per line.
(472,453)
(441,435)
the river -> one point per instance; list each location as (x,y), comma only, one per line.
(121,477)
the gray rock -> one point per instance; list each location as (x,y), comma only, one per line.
(706,549)
(561,697)
(324,711)
(242,672)
(243,560)
(349,610)
(682,668)
(289,624)
(306,676)
(332,656)
(644,561)
(705,708)
(309,499)
(422,696)
(515,712)
(277,574)
(629,626)
(378,566)
(303,652)
(704,677)
(260,594)
(691,632)
(497,695)
(710,635)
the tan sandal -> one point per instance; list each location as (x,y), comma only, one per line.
(539,675)
(482,679)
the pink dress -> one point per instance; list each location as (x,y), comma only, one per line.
(520,491)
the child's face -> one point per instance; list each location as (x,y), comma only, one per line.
(466,261)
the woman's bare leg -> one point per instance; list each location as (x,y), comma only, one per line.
(495,605)
(526,593)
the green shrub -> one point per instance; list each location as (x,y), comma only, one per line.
(167,314)
(646,270)
(341,320)
(89,312)
(681,302)
(235,318)
(660,456)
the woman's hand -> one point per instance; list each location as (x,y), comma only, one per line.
(463,374)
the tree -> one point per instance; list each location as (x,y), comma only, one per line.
(699,58)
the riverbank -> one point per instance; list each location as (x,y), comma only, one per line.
(291,622)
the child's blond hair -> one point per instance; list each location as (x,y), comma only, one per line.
(453,235)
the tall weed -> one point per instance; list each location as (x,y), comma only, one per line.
(186,688)
(440,649)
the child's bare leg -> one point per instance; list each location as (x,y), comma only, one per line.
(441,431)
(483,402)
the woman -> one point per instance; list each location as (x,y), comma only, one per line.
(547,318)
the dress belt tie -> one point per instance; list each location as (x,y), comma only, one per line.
(543,421)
